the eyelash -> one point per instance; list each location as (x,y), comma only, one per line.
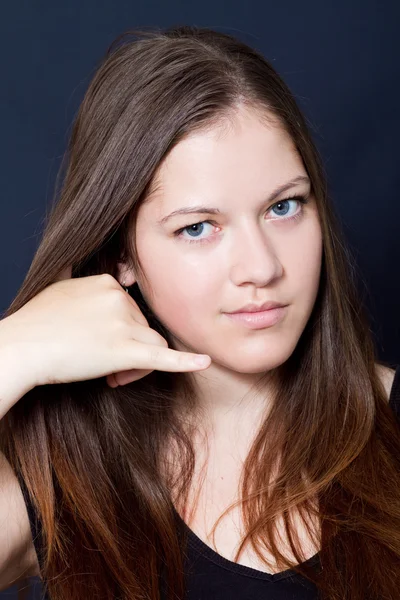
(301,199)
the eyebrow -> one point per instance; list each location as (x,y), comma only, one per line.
(214,211)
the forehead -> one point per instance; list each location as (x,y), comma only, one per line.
(243,157)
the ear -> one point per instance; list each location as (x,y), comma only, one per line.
(125,275)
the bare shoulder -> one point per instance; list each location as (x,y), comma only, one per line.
(17,553)
(386,375)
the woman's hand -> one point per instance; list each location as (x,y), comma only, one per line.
(89,327)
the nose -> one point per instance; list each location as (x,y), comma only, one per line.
(254,258)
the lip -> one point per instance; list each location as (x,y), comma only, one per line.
(250,308)
(259,319)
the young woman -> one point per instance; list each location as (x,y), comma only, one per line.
(272,469)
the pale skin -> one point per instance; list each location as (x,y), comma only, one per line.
(253,255)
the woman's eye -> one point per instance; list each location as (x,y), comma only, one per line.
(195,230)
(285,210)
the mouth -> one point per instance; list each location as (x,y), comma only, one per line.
(252,307)
(259,319)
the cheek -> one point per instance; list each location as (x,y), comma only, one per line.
(182,293)
(303,268)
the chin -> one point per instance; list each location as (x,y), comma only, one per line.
(252,366)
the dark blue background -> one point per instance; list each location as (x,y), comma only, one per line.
(340,58)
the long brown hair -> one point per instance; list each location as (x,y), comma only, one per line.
(92,456)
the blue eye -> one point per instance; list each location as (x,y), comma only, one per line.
(198,228)
(283,203)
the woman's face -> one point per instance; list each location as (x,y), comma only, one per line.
(251,250)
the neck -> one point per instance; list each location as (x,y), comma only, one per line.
(228,406)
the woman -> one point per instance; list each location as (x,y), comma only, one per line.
(272,470)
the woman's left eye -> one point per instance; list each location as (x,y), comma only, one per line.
(197,228)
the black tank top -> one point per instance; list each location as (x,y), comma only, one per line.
(209,575)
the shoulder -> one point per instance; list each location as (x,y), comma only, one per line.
(386,375)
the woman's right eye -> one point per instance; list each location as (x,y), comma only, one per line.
(193,239)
